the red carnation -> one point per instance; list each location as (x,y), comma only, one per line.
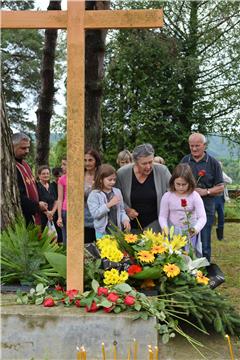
(183,202)
(102,291)
(48,302)
(112,297)
(129,300)
(58,287)
(78,303)
(107,309)
(72,293)
(134,269)
(202,172)
(92,308)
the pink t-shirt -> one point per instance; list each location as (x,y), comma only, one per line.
(63,181)
(172,212)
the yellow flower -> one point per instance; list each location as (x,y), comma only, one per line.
(111,277)
(171,270)
(178,242)
(123,276)
(145,256)
(158,249)
(130,238)
(201,279)
(157,239)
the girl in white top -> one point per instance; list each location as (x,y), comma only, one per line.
(182,199)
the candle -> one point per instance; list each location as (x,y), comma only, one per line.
(103,352)
(150,354)
(79,354)
(156,352)
(135,349)
(114,351)
(129,353)
(230,347)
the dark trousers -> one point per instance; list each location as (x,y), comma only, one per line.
(219,207)
(206,237)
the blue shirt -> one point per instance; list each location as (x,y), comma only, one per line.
(212,178)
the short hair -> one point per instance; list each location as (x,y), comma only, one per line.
(124,155)
(159,160)
(57,171)
(18,137)
(104,171)
(142,150)
(41,168)
(184,171)
(203,137)
(95,155)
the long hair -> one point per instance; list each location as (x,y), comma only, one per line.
(104,171)
(96,156)
(184,171)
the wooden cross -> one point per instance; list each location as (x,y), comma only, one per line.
(76,20)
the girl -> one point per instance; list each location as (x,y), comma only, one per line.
(105,202)
(180,200)
(92,162)
(62,201)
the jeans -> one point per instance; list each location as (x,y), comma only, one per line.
(206,237)
(219,206)
(64,228)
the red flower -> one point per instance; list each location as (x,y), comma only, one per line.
(48,302)
(107,309)
(129,300)
(72,293)
(58,287)
(183,202)
(202,172)
(134,269)
(112,297)
(92,308)
(78,303)
(102,291)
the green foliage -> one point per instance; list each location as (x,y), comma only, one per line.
(58,152)
(23,254)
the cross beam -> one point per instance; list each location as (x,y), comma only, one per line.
(76,20)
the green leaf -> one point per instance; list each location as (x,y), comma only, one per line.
(149,273)
(58,262)
(123,288)
(165,338)
(137,307)
(117,309)
(95,285)
(106,303)
(39,288)
(39,300)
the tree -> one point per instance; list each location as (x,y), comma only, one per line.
(46,97)
(10,203)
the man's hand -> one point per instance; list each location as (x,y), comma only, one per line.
(43,206)
(202,192)
(132,213)
(114,201)
(126,225)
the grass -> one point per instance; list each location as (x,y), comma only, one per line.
(226,255)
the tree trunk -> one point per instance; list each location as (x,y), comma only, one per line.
(95,50)
(45,106)
(10,203)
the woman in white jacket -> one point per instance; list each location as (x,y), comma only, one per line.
(105,203)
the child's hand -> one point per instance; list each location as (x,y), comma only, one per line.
(114,201)
(126,225)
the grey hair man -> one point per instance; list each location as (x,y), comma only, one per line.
(208,174)
(31,206)
(143,184)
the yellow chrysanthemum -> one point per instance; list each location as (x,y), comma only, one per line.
(158,249)
(123,276)
(145,256)
(109,249)
(201,279)
(130,238)
(113,277)
(171,270)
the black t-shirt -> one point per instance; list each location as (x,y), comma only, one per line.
(48,196)
(144,201)
(112,215)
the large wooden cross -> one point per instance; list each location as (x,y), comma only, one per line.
(76,20)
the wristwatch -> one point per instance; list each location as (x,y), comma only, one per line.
(208,192)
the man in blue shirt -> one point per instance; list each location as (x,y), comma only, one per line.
(208,174)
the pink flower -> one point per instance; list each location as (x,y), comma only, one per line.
(78,303)
(112,297)
(92,308)
(48,302)
(72,293)
(183,202)
(107,309)
(102,291)
(129,300)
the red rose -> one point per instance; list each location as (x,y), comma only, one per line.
(134,269)
(72,293)
(112,297)
(102,291)
(183,202)
(92,308)
(202,173)
(48,302)
(78,303)
(129,300)
(58,287)
(107,309)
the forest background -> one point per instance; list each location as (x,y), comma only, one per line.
(141,85)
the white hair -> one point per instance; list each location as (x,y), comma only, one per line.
(18,137)
(203,137)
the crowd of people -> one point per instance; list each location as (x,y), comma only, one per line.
(141,194)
